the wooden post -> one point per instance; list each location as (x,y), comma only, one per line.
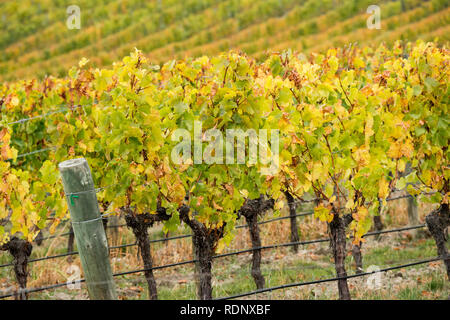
(88,228)
(413,214)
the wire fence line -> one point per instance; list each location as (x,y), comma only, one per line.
(297,284)
(65,108)
(193,261)
(273,246)
(301,214)
(46,115)
(189,235)
(64,234)
(36,152)
(62,255)
(58,285)
(306,213)
(68,107)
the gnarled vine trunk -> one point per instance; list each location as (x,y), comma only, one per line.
(292,213)
(114,221)
(21,251)
(105,223)
(251,210)
(357,256)
(139,224)
(204,242)
(166,236)
(338,241)
(203,251)
(377,222)
(252,222)
(437,221)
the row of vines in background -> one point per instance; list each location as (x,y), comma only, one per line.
(291,30)
(350,123)
(159,17)
(165,29)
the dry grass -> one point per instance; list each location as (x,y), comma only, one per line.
(55,270)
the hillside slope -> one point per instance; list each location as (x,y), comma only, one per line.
(35,41)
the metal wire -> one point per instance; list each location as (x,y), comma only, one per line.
(299,284)
(297,201)
(46,115)
(305,242)
(238,227)
(301,214)
(35,152)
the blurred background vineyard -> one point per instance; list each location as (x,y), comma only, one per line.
(35,41)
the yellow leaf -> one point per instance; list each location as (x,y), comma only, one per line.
(407,148)
(401,165)
(362,156)
(383,188)
(399,149)
(368,131)
(15,101)
(220,246)
(394,151)
(279,205)
(53,227)
(323,213)
(350,204)
(317,171)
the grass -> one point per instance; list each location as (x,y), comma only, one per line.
(231,275)
(281,267)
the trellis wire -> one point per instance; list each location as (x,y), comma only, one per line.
(43,116)
(304,213)
(298,284)
(238,227)
(288,244)
(299,201)
(46,115)
(62,255)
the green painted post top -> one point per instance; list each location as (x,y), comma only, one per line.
(79,189)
